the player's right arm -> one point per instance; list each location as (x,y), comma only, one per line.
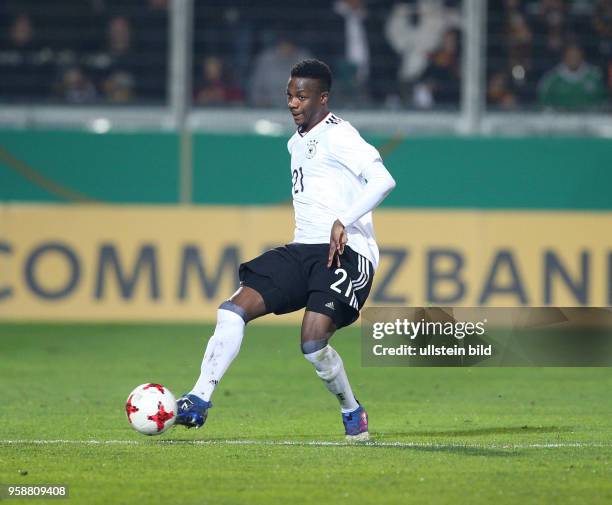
(364,161)
(379,184)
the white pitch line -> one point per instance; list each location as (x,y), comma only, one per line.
(407,445)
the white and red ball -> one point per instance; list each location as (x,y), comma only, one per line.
(151,409)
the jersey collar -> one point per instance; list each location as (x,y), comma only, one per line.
(315,126)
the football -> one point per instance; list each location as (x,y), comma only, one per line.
(151,409)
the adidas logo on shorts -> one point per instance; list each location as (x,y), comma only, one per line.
(330,305)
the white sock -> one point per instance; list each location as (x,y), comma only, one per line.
(221,350)
(330,369)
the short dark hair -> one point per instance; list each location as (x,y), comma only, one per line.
(314,69)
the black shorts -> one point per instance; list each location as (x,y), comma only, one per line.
(295,276)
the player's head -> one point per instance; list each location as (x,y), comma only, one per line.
(308,92)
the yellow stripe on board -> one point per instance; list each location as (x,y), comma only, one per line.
(146,263)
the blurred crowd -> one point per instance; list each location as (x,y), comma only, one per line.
(83,51)
(551,53)
(384,53)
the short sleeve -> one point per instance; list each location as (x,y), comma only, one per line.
(351,150)
(291,143)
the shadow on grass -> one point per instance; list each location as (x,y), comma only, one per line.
(462,450)
(403,440)
(407,435)
(475,432)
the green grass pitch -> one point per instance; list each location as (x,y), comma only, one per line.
(441,435)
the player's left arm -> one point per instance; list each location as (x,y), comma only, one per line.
(379,184)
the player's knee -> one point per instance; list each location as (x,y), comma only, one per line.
(234,309)
(231,319)
(312,346)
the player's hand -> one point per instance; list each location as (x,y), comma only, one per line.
(337,241)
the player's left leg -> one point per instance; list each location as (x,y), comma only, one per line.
(317,329)
(245,305)
(222,348)
(272,282)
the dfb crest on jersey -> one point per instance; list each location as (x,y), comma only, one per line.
(311,149)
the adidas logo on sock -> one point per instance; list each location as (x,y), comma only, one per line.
(330,305)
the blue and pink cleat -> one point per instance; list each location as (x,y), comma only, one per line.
(356,425)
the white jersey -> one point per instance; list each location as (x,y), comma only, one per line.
(327,166)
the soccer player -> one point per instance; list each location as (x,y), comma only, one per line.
(337,178)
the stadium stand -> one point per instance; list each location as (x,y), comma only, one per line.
(385,53)
(528,43)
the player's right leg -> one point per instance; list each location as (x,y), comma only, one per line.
(272,282)
(336,296)
(246,304)
(317,330)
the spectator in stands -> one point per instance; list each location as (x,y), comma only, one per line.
(118,87)
(230,30)
(415,40)
(119,36)
(519,41)
(519,38)
(215,88)
(573,84)
(353,69)
(441,81)
(602,24)
(23,73)
(158,5)
(499,91)
(270,72)
(120,62)
(75,87)
(552,34)
(21,33)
